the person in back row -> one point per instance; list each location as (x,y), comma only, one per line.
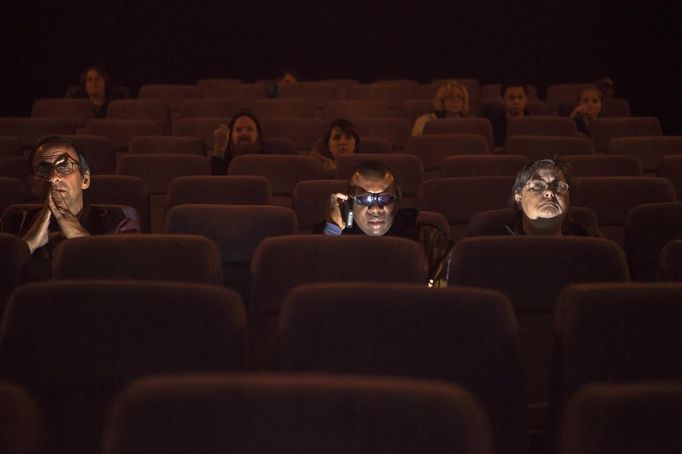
(242,135)
(371,207)
(95,85)
(590,107)
(514,99)
(451,101)
(59,174)
(340,139)
(541,196)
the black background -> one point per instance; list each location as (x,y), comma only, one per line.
(44,49)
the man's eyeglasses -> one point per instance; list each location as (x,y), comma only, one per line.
(370,199)
(557,186)
(64,165)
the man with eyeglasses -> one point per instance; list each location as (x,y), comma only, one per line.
(371,207)
(541,194)
(58,175)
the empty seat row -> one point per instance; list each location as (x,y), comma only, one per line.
(468,337)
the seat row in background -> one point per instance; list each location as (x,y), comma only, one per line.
(404,97)
(134,117)
(60,338)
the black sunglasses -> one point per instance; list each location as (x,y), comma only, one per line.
(370,199)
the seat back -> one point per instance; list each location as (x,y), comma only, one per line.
(245,95)
(532,271)
(670,261)
(395,130)
(29,130)
(558,94)
(482,165)
(627,418)
(98,150)
(602,130)
(413,331)
(79,111)
(311,201)
(10,147)
(167,145)
(303,132)
(198,127)
(356,108)
(316,94)
(392,94)
(433,148)
(649,227)
(284,108)
(121,131)
(119,190)
(649,150)
(479,126)
(281,263)
(670,167)
(180,258)
(460,198)
(599,165)
(76,344)
(141,109)
(11,192)
(541,126)
(230,412)
(14,263)
(157,171)
(540,147)
(283,172)
(612,197)
(21,425)
(617,333)
(208,108)
(219,189)
(210,86)
(408,170)
(171,95)
(237,230)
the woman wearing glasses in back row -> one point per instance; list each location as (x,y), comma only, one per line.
(451,101)
(541,195)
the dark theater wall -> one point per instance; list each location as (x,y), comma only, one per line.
(43,51)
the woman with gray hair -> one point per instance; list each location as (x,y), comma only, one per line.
(541,195)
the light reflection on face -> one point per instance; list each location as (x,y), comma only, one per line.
(543,204)
(375,220)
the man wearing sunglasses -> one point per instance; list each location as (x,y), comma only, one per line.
(58,175)
(371,207)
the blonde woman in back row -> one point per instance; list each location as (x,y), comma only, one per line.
(451,101)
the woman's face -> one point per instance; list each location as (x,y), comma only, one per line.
(95,85)
(454,103)
(340,143)
(590,99)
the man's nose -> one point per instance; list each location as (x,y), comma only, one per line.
(375,207)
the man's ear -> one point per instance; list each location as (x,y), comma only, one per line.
(85,184)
